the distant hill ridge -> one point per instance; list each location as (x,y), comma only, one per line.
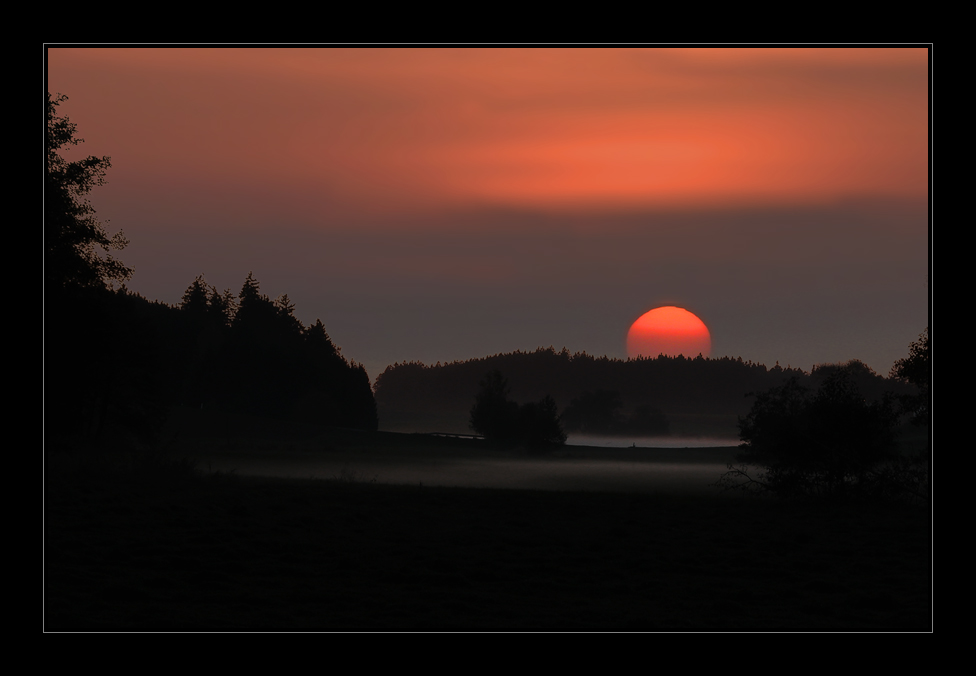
(699,395)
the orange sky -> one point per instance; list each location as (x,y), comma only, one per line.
(414,130)
(441,204)
(668,330)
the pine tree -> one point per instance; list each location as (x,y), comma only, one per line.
(222,306)
(194,302)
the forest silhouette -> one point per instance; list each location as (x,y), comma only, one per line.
(600,395)
(116,359)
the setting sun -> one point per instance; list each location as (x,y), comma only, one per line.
(668,330)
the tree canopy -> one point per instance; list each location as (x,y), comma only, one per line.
(534,424)
(72,233)
(117,358)
(832,442)
(916,368)
(493,415)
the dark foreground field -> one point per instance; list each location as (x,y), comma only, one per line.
(161,548)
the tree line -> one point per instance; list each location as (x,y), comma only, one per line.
(601,395)
(114,358)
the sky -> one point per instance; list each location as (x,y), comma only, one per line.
(439,204)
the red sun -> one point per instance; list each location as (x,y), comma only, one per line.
(668,330)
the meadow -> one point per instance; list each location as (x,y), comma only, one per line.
(166,543)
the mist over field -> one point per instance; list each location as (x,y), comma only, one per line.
(685,471)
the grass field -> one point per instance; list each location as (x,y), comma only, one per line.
(158,547)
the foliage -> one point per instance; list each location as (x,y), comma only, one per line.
(599,412)
(493,415)
(539,425)
(661,395)
(254,356)
(195,299)
(99,355)
(646,420)
(71,231)
(831,443)
(534,424)
(916,369)
(914,472)
(116,362)
(593,412)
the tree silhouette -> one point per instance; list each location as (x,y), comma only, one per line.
(535,424)
(71,230)
(287,320)
(831,443)
(916,368)
(87,361)
(914,473)
(195,303)
(539,425)
(112,356)
(594,412)
(222,306)
(690,396)
(203,332)
(645,419)
(493,415)
(253,355)
(255,311)
(321,350)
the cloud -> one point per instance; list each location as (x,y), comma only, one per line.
(393,131)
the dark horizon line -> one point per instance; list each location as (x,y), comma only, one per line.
(584,354)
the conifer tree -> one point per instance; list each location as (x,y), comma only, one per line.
(194,302)
(222,306)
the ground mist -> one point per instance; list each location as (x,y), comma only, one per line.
(184,549)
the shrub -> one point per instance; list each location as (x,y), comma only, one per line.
(493,416)
(831,443)
(539,426)
(535,424)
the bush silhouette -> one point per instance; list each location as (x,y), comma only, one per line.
(493,416)
(594,412)
(647,420)
(535,424)
(830,443)
(916,369)
(539,425)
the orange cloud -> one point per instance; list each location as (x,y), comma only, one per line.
(401,130)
